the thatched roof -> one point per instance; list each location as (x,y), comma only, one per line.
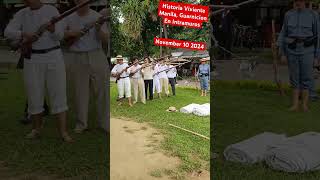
(186,53)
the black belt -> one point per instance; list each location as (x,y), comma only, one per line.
(123,77)
(204,75)
(307,42)
(44,51)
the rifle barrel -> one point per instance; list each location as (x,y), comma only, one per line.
(72,10)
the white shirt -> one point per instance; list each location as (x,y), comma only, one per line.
(172,73)
(162,70)
(29,21)
(148,73)
(138,74)
(119,67)
(90,41)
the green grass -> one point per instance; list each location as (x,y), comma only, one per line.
(243,110)
(264,56)
(87,157)
(193,151)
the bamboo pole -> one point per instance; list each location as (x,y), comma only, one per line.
(161,52)
(275,60)
(186,130)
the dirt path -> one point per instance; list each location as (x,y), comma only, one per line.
(134,154)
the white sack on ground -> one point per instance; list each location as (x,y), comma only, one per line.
(252,150)
(189,109)
(203,110)
(300,153)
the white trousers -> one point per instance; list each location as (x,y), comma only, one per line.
(46,75)
(156,85)
(138,89)
(89,68)
(124,87)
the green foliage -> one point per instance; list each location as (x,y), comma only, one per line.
(134,37)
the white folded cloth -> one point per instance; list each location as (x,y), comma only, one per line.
(189,109)
(202,110)
(298,154)
(252,150)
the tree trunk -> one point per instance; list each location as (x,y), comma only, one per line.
(161,51)
(166,36)
(145,42)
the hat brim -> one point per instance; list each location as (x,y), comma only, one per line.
(171,111)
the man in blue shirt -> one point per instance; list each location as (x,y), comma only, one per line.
(299,46)
(203,75)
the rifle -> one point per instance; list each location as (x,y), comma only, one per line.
(119,74)
(71,40)
(151,64)
(26,45)
(139,69)
(275,59)
(171,68)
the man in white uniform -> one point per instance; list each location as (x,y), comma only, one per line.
(121,71)
(46,67)
(156,81)
(137,82)
(172,74)
(164,82)
(88,63)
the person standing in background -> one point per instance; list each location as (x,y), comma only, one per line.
(121,72)
(203,76)
(172,74)
(88,64)
(164,82)
(156,80)
(137,81)
(148,78)
(299,46)
(45,69)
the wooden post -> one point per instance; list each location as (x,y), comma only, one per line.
(275,60)
(161,51)
(165,30)
(310,4)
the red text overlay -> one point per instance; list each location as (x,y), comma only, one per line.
(200,46)
(182,14)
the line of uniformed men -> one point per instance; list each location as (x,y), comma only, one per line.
(147,79)
(46,69)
